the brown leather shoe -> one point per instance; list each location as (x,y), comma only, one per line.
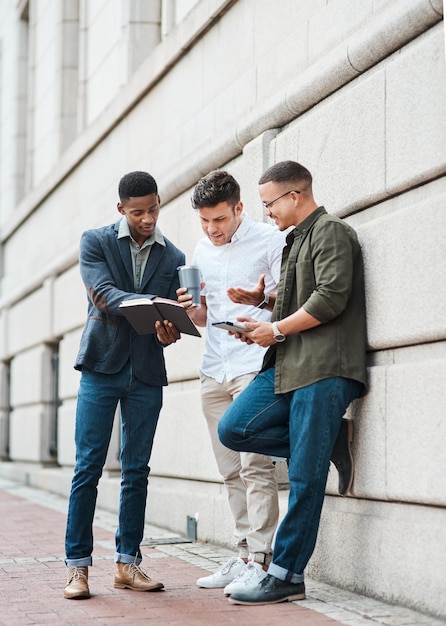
(131,576)
(77,583)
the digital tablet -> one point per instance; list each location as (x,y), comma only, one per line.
(232,327)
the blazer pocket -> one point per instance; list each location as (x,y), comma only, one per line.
(101,336)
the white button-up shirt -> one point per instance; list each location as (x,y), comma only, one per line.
(255,248)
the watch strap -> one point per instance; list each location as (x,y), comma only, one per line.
(265,302)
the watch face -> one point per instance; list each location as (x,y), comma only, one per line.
(278,336)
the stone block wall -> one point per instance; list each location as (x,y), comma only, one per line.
(241,85)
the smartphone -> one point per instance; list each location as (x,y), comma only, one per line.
(231,327)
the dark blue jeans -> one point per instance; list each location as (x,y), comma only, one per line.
(98,398)
(302,426)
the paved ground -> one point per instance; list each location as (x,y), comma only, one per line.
(32,576)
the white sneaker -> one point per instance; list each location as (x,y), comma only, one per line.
(247,580)
(226,574)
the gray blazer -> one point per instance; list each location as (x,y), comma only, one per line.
(108,341)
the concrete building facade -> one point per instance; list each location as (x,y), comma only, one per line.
(356,91)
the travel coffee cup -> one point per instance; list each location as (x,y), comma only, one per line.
(190,278)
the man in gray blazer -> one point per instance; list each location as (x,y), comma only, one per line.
(117,263)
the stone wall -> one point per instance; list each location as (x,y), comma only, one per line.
(356,91)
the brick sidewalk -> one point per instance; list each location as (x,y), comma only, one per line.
(32,577)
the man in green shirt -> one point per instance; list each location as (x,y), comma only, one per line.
(314,367)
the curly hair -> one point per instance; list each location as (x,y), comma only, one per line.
(217,186)
(135,185)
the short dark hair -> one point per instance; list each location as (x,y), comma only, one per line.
(287,172)
(135,185)
(217,186)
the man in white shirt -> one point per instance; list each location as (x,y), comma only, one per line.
(235,252)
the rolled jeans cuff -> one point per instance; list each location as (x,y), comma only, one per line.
(86,561)
(283,574)
(127,558)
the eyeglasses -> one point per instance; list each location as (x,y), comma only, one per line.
(266,205)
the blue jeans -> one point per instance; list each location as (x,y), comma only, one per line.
(302,426)
(98,398)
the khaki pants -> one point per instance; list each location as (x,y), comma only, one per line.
(250,478)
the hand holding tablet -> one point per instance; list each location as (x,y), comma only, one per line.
(231,327)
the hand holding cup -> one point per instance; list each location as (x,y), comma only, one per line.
(190,279)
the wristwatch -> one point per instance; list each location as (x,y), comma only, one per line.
(265,302)
(278,336)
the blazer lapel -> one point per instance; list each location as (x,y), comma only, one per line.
(124,251)
(155,256)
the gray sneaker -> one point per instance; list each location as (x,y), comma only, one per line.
(270,591)
(247,580)
(226,574)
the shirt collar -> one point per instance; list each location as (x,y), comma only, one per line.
(305,226)
(124,231)
(243,228)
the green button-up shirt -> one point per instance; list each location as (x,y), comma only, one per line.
(322,271)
